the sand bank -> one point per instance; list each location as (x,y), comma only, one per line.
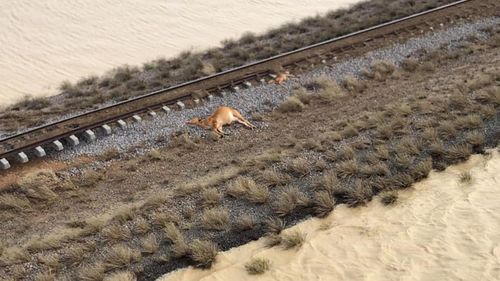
(45,42)
(441,229)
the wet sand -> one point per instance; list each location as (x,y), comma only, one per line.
(45,42)
(440,229)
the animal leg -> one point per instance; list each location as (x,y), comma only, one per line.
(240,119)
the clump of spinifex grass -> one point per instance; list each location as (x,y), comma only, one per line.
(257,266)
(244,187)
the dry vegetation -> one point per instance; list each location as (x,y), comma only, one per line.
(370,143)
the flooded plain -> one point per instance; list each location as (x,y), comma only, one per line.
(43,43)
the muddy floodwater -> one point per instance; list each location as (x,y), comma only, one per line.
(45,42)
(440,229)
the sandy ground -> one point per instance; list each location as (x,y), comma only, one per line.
(43,43)
(440,230)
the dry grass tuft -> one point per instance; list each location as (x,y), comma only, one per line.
(458,152)
(210,197)
(121,276)
(389,198)
(257,266)
(408,146)
(16,202)
(410,64)
(272,177)
(14,255)
(247,188)
(162,219)
(245,222)
(345,153)
(45,276)
(353,84)
(274,225)
(149,244)
(422,169)
(349,132)
(50,260)
(291,104)
(77,253)
(293,239)
(120,256)
(300,167)
(90,178)
(215,219)
(465,177)
(288,199)
(117,232)
(358,194)
(172,233)
(203,253)
(141,226)
(154,155)
(110,154)
(327,181)
(347,169)
(475,138)
(472,121)
(447,129)
(93,272)
(323,203)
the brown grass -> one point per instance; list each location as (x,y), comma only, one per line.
(246,188)
(257,266)
(458,152)
(271,177)
(410,64)
(349,132)
(300,167)
(210,197)
(45,276)
(274,225)
(141,226)
(389,198)
(465,177)
(472,121)
(93,272)
(215,219)
(475,138)
(245,222)
(345,153)
(323,203)
(347,169)
(149,244)
(353,84)
(15,202)
(120,256)
(447,129)
(50,260)
(117,232)
(75,254)
(288,199)
(359,194)
(327,181)
(291,104)
(293,239)
(203,253)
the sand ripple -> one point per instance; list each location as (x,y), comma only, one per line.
(440,230)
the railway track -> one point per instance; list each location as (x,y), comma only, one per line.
(37,142)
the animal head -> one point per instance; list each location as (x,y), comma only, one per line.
(196,121)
